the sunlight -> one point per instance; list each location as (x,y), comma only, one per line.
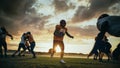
(58,49)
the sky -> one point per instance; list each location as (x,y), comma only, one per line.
(41,16)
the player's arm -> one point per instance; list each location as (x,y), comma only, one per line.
(57,31)
(26,43)
(57,27)
(69,35)
(9,35)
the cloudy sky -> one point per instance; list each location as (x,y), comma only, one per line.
(41,16)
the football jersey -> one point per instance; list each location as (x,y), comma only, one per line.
(61,31)
(30,38)
(22,39)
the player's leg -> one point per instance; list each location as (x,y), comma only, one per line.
(18,50)
(28,47)
(95,55)
(94,50)
(1,52)
(101,54)
(24,49)
(108,53)
(54,48)
(61,44)
(32,45)
(91,53)
(5,48)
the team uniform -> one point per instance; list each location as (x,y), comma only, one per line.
(110,24)
(58,40)
(3,43)
(21,45)
(60,31)
(32,44)
(98,46)
(58,37)
(3,34)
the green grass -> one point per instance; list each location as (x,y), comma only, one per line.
(47,62)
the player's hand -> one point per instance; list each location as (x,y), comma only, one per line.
(72,37)
(11,38)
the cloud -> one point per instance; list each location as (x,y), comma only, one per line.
(12,10)
(18,16)
(62,5)
(89,31)
(94,9)
(34,20)
(15,7)
(115,9)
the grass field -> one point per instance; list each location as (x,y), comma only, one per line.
(47,62)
